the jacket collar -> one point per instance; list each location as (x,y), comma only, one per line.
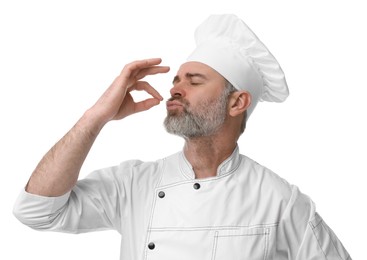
(226,167)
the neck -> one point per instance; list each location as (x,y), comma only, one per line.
(205,154)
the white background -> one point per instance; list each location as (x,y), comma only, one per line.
(57,57)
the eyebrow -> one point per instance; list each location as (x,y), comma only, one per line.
(189,75)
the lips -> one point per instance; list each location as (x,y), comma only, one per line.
(173,104)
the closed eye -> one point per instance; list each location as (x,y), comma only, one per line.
(195,83)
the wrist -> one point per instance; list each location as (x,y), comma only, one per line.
(90,123)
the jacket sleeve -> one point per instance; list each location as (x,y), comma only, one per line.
(303,234)
(320,242)
(95,203)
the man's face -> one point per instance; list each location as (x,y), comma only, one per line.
(198,106)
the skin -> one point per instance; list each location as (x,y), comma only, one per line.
(58,170)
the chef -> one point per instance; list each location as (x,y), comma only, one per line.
(206,202)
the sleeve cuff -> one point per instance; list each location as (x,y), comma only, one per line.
(31,208)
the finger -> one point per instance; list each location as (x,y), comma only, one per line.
(145,104)
(139,64)
(145,86)
(151,71)
(149,67)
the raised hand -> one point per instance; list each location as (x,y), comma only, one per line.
(117,102)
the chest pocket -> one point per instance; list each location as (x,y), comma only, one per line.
(241,244)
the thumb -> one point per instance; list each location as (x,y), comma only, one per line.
(146,104)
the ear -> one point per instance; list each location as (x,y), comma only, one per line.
(239,102)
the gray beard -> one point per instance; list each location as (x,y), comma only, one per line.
(205,120)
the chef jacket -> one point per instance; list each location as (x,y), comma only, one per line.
(163,212)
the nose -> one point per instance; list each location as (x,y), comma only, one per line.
(177,91)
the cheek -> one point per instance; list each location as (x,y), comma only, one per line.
(202,95)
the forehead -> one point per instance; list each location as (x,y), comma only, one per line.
(194,67)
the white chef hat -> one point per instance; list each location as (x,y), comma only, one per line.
(227,44)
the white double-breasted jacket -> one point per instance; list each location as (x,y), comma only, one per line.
(163,212)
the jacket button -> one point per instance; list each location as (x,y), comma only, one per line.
(161,194)
(151,245)
(196,186)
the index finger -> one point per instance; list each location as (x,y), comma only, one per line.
(145,86)
(139,65)
(136,70)
(151,71)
